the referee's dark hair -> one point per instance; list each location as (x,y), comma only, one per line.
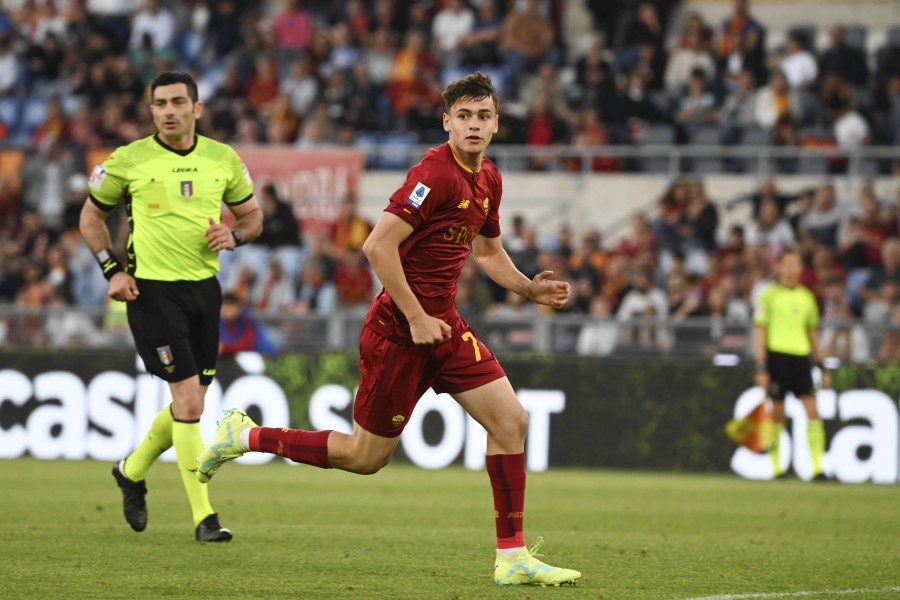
(173,77)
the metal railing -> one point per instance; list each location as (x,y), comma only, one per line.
(728,342)
(671,160)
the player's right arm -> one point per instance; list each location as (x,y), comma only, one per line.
(122,286)
(107,186)
(760,345)
(382,248)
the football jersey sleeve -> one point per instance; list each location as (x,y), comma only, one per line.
(107,184)
(240,184)
(491,227)
(423,192)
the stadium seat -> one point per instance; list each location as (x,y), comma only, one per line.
(33,114)
(706,135)
(855,35)
(893,36)
(10,109)
(757,138)
(656,135)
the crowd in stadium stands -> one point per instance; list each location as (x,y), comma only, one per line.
(73,77)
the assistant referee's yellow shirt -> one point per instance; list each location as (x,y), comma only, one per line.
(169,197)
(788,314)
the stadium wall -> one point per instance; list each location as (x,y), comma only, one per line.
(662,415)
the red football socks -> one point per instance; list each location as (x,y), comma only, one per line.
(307,447)
(507,473)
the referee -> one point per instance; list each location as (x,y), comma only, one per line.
(173,185)
(786,319)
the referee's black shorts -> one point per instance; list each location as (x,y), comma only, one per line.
(789,373)
(175,325)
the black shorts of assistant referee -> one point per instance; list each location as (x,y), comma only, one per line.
(789,373)
(175,325)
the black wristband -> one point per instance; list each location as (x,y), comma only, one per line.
(109,264)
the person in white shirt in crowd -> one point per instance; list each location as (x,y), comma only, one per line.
(770,228)
(798,63)
(450,24)
(155,21)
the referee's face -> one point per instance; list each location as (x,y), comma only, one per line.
(175,115)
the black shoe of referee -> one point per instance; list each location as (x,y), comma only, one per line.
(134,505)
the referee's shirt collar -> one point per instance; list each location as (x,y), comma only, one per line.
(171,149)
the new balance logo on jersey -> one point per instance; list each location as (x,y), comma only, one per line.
(463,205)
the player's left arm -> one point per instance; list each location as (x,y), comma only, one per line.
(818,356)
(492,258)
(247,227)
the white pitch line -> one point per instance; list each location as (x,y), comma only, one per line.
(797,594)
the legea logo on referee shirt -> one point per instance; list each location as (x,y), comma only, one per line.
(418,195)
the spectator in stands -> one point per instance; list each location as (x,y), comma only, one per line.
(527,39)
(696,105)
(316,293)
(280,226)
(412,64)
(634,108)
(544,127)
(699,222)
(599,336)
(293,28)
(65,328)
(825,218)
(777,109)
(9,68)
(738,110)
(642,301)
(797,63)
(590,133)
(349,229)
(888,269)
(685,60)
(45,174)
(595,75)
(274,291)
(344,51)
(741,21)
(481,46)
(770,228)
(223,28)
(239,331)
(451,24)
(353,281)
(840,58)
(155,21)
(44,60)
(851,130)
(262,87)
(745,55)
(644,29)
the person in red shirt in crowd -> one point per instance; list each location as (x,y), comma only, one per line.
(414,337)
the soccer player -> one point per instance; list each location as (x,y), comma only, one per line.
(414,338)
(786,319)
(173,185)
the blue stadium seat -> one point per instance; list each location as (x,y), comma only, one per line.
(656,134)
(33,114)
(706,135)
(10,113)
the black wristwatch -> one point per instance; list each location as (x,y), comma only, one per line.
(238,238)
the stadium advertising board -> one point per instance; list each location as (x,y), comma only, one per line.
(664,415)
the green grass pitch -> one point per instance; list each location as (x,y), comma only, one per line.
(410,533)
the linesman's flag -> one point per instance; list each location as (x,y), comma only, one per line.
(753,431)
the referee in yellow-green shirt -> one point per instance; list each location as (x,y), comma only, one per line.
(173,185)
(787,320)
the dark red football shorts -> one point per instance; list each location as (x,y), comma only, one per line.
(394,376)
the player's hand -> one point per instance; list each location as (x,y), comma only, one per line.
(548,291)
(123,287)
(763,380)
(428,331)
(218,236)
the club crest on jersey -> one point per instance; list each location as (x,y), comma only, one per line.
(165,355)
(418,195)
(463,205)
(187,188)
(486,205)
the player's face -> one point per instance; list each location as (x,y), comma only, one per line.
(471,125)
(175,114)
(790,267)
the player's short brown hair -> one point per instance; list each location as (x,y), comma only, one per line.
(474,86)
(173,77)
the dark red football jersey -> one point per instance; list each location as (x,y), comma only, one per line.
(448,205)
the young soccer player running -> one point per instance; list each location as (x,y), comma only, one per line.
(173,185)
(414,338)
(787,320)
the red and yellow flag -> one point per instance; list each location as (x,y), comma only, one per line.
(753,431)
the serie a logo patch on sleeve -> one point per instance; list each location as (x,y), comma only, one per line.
(418,195)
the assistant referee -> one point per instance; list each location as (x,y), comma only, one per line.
(172,184)
(787,336)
